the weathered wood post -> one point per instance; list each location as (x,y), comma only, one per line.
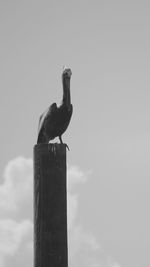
(50,206)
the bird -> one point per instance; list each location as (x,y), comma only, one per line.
(55,120)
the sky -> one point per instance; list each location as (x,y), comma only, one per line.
(106,45)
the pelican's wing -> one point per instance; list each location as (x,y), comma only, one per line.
(44,115)
(41,120)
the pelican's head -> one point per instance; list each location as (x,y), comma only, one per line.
(66,73)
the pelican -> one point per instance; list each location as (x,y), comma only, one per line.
(55,120)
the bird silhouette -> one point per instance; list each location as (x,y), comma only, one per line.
(55,120)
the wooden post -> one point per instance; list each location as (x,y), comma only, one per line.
(50,206)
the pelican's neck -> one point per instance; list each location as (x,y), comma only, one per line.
(66,92)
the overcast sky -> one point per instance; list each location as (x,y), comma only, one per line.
(107,46)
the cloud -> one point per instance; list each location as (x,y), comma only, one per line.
(16,226)
(74,177)
(12,234)
(16,222)
(81,243)
(84,248)
(16,190)
(80,240)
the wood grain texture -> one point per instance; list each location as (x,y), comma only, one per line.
(50,206)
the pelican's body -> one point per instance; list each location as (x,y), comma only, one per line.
(55,120)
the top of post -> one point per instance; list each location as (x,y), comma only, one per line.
(53,148)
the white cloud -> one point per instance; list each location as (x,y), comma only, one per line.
(16,189)
(12,234)
(75,176)
(16,227)
(80,240)
(72,208)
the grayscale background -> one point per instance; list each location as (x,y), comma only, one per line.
(107,46)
